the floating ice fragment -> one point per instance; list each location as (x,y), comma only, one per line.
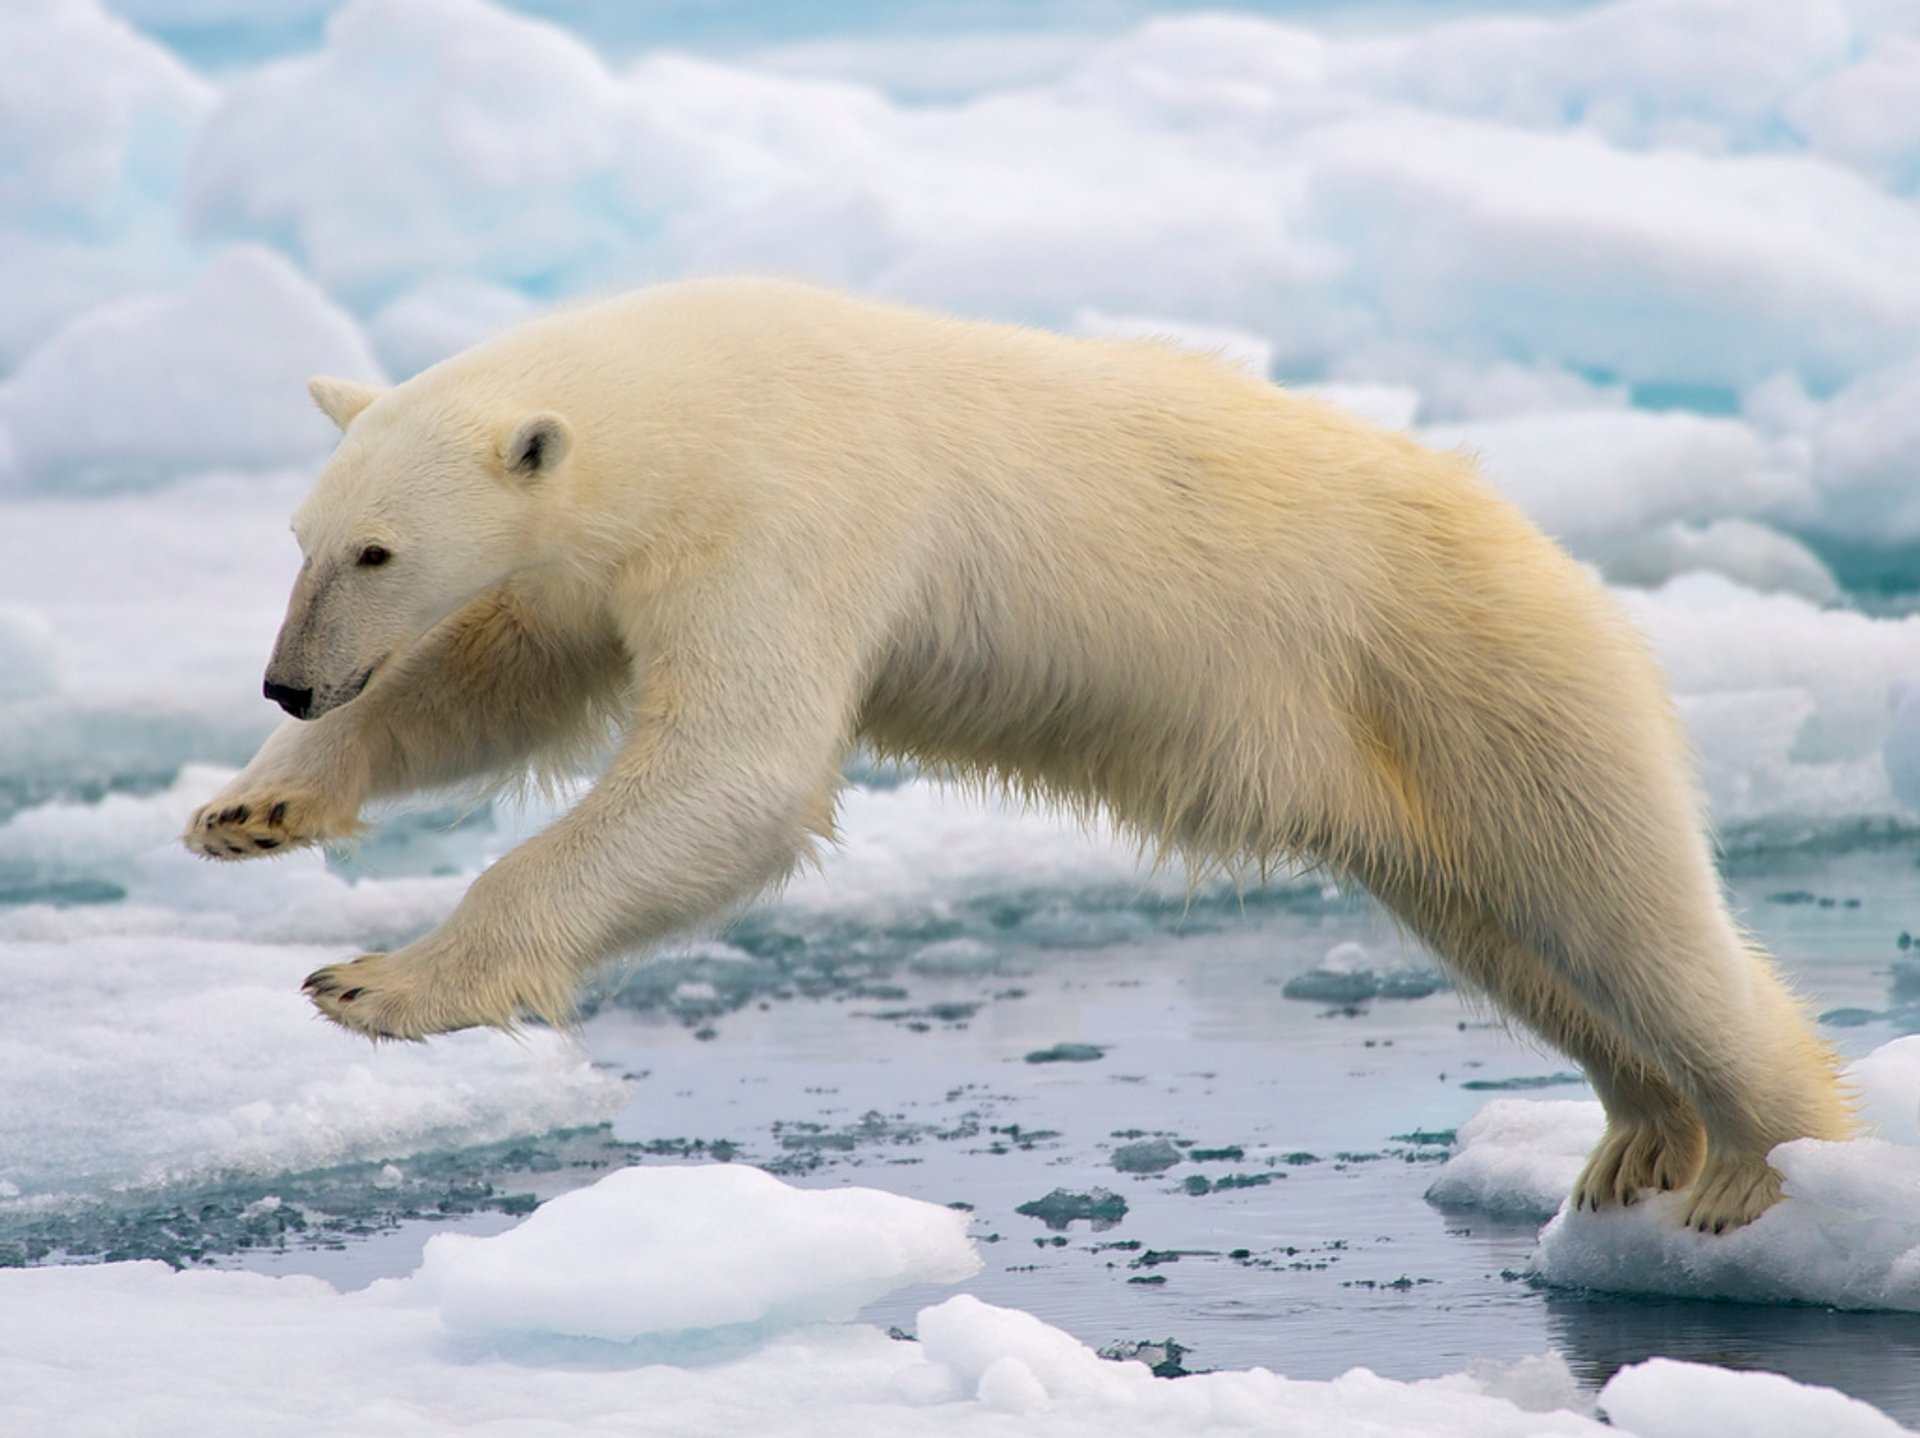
(668,1249)
(1518,1158)
(1848,1235)
(156,385)
(1061,1208)
(1349,974)
(1662,1398)
(1149,1156)
(1067,1053)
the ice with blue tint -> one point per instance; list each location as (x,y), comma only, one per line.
(1653,260)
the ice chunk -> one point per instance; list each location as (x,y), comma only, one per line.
(1350,974)
(146,389)
(1391,406)
(1751,555)
(89,108)
(1861,115)
(1902,751)
(1518,1158)
(671,1249)
(1641,72)
(428,137)
(1865,444)
(440,318)
(1786,703)
(1848,1236)
(1243,351)
(95,126)
(1663,1398)
(27,662)
(1595,475)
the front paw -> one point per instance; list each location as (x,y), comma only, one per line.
(260,824)
(418,991)
(370,996)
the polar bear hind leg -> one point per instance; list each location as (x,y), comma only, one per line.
(1701,1058)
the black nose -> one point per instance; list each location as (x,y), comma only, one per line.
(297,702)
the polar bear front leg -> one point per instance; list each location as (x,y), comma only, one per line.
(305,786)
(415,728)
(729,771)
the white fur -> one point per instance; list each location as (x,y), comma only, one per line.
(756,522)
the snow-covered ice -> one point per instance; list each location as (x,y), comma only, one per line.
(1849,1237)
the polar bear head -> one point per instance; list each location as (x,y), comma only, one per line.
(422,507)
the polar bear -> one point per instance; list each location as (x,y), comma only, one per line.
(748,523)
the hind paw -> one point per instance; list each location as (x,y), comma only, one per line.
(1635,1157)
(1731,1192)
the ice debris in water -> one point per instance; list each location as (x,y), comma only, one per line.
(1155,1155)
(1060,1208)
(1067,1053)
(1848,1236)
(1350,974)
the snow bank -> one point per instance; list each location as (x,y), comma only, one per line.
(1593,475)
(82,1348)
(443,137)
(143,1062)
(28,665)
(1665,1399)
(147,1043)
(151,387)
(96,123)
(1849,1237)
(1786,703)
(1518,1158)
(666,1250)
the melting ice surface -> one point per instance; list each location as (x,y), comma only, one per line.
(1652,259)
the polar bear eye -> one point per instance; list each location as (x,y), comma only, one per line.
(374,555)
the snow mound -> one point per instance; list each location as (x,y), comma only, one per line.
(428,137)
(29,665)
(1518,1158)
(1848,1238)
(1785,702)
(1662,1398)
(1590,475)
(148,388)
(680,1249)
(1750,555)
(96,123)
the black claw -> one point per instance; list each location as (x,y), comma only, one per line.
(266,843)
(350,995)
(233,849)
(277,812)
(318,984)
(241,813)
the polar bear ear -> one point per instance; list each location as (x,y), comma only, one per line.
(536,446)
(340,399)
